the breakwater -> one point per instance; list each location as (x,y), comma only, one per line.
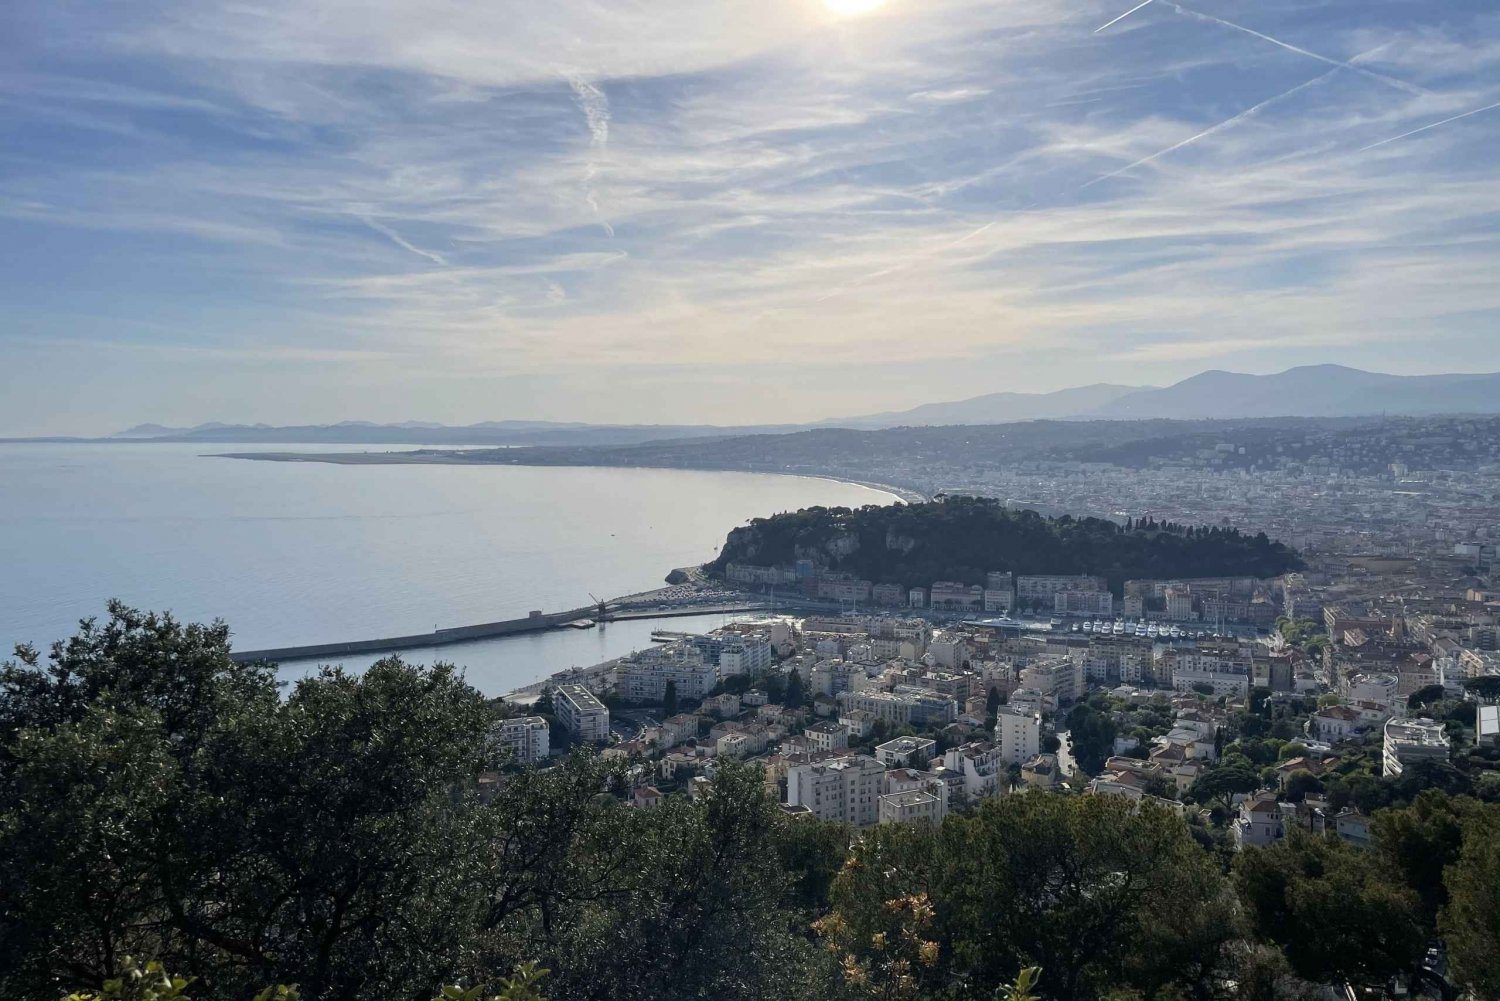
(535,622)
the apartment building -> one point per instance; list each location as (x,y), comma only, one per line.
(1411,740)
(581,713)
(846,789)
(527,738)
(1018,735)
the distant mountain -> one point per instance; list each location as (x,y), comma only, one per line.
(1309,391)
(1000,408)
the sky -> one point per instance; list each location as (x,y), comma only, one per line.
(727,211)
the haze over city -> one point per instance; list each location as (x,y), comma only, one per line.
(295,213)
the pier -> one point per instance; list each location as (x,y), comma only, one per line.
(535,622)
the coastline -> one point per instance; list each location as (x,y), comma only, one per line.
(902,495)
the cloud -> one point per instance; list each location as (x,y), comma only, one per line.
(397,239)
(917,192)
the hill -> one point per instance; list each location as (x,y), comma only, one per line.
(1309,391)
(999,408)
(963,538)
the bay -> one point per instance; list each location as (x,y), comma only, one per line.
(297,553)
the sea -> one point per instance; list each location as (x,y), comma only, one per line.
(292,553)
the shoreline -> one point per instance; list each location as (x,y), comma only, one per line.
(412,457)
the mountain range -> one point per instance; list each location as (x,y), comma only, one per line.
(1309,391)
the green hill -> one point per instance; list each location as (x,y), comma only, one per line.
(962,538)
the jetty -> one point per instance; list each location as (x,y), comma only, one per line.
(534,622)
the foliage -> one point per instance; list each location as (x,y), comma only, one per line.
(1470,920)
(159,799)
(1092,889)
(1092,734)
(962,538)
(1332,909)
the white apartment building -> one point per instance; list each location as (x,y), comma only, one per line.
(829,677)
(581,713)
(914,806)
(903,751)
(1226,670)
(528,738)
(1057,678)
(644,676)
(846,789)
(979,764)
(1412,740)
(949,651)
(827,736)
(744,655)
(913,706)
(1018,735)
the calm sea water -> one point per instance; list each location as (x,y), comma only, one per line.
(292,553)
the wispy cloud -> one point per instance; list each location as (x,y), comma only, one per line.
(919,191)
(1424,128)
(401,242)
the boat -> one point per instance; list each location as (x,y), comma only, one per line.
(580,624)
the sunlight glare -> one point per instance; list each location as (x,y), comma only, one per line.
(852,8)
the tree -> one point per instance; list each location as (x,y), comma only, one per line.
(796,695)
(1470,921)
(1081,886)
(1485,686)
(669,699)
(1222,784)
(1301,784)
(1331,908)
(158,799)
(1420,841)
(1424,697)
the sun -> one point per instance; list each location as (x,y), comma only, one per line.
(852,8)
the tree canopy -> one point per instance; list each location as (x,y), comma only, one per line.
(963,538)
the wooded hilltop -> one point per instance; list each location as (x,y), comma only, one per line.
(963,538)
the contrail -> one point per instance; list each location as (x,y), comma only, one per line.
(1445,121)
(401,242)
(595,108)
(1392,81)
(1122,16)
(1232,120)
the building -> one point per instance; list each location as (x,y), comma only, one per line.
(743,655)
(1091,603)
(827,736)
(644,676)
(1018,735)
(846,789)
(905,752)
(1043,588)
(528,738)
(914,806)
(1259,822)
(1002,600)
(1218,670)
(581,713)
(890,595)
(979,765)
(955,597)
(1411,740)
(1060,679)
(904,705)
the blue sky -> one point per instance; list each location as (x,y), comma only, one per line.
(727,212)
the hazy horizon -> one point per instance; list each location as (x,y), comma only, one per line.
(727,213)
